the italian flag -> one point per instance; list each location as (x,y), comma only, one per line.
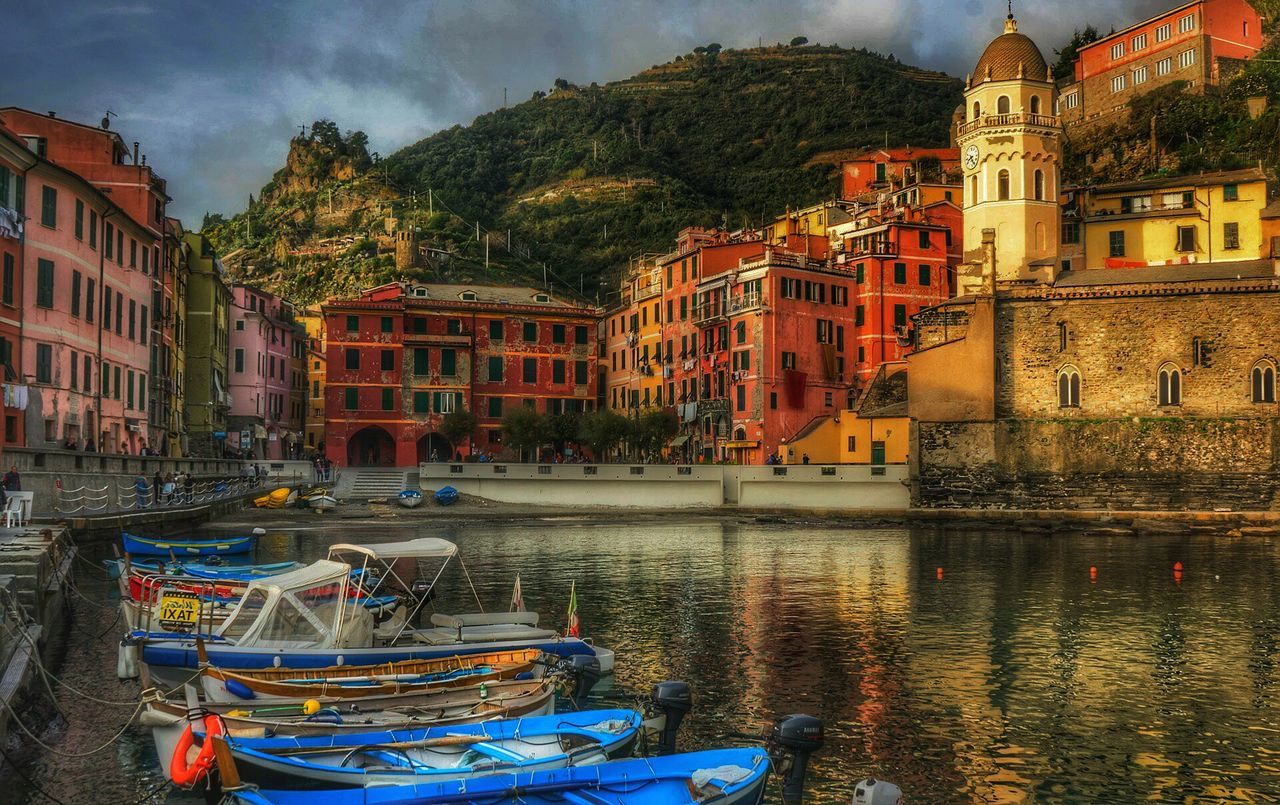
(571,628)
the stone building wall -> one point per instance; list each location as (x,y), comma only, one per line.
(1098,103)
(1148,464)
(1118,344)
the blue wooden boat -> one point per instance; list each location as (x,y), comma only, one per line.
(366,760)
(200,570)
(409,498)
(147,546)
(715,777)
(446,496)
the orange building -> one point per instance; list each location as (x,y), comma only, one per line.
(884,169)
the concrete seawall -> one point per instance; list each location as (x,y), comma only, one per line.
(660,486)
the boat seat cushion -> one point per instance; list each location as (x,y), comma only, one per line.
(484,619)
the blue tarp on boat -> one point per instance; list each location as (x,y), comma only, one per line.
(446,496)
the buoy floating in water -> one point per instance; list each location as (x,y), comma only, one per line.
(939,574)
(1093,573)
(1177,567)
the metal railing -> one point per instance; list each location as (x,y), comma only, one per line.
(124,496)
(1010,119)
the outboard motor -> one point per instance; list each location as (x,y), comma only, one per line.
(876,792)
(791,741)
(674,700)
(586,673)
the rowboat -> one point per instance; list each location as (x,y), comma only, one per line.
(446,496)
(410,498)
(328,716)
(147,546)
(269,631)
(353,682)
(276,499)
(714,777)
(464,751)
(322,503)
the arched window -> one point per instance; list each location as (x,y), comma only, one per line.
(973,189)
(1263,381)
(1035,104)
(1170,385)
(1039,188)
(1002,105)
(1068,387)
(977,110)
(1002,185)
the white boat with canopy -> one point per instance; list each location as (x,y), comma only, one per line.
(317,616)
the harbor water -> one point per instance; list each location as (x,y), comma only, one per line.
(964,666)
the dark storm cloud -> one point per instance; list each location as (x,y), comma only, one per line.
(214,90)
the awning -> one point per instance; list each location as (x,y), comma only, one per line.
(425,548)
(679,440)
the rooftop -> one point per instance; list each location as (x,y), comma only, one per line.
(1011,56)
(1192,180)
(1242,269)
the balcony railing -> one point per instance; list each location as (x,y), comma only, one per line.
(719,310)
(461,339)
(648,291)
(1011,119)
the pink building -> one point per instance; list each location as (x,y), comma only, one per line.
(85,314)
(264,337)
(125,257)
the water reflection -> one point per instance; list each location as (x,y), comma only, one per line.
(1016,677)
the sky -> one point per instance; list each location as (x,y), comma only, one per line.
(214,90)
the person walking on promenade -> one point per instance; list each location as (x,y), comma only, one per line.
(12,481)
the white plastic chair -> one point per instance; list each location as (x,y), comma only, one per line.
(12,512)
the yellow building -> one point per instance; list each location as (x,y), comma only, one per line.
(875,431)
(169,344)
(633,341)
(1011,154)
(313,411)
(1208,218)
(811,221)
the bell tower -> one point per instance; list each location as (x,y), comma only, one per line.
(1010,145)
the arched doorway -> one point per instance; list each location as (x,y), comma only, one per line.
(437,444)
(371,447)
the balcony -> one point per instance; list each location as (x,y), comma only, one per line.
(709,313)
(1004,121)
(648,291)
(462,339)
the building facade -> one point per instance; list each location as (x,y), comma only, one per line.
(1140,381)
(207,398)
(1197,43)
(883,170)
(266,350)
(402,357)
(312,320)
(15,161)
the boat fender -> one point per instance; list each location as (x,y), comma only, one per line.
(127,659)
(523,676)
(586,673)
(673,699)
(187,775)
(239,689)
(792,740)
(310,707)
(876,792)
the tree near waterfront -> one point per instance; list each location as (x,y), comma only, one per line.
(563,428)
(458,426)
(524,429)
(653,430)
(603,430)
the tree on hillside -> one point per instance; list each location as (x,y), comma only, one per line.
(799,40)
(458,426)
(1065,66)
(524,429)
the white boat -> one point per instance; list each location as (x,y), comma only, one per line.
(310,618)
(322,503)
(410,498)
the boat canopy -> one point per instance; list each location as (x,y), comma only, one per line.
(424,548)
(304,608)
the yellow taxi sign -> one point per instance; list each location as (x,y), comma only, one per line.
(179,611)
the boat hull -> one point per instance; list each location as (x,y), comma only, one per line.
(410,501)
(642,781)
(171,662)
(144,546)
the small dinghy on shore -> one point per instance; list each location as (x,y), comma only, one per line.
(714,777)
(446,496)
(410,498)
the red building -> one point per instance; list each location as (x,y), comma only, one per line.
(400,357)
(15,160)
(882,169)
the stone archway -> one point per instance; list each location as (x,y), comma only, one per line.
(371,447)
(437,444)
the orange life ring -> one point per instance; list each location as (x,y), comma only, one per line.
(188,775)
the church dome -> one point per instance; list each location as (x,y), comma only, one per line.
(1011,56)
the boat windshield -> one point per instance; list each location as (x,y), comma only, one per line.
(302,609)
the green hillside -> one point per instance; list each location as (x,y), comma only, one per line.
(585,176)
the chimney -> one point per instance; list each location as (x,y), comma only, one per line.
(135,152)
